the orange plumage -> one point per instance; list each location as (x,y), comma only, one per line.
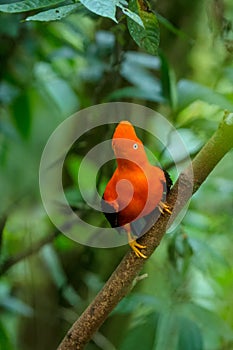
(136,187)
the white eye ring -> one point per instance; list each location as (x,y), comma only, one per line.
(135,146)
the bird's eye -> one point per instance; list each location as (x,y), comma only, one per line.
(135,146)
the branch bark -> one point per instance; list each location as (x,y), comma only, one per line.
(120,282)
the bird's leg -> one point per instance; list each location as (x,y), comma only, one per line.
(164,207)
(134,244)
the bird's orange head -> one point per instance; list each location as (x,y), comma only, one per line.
(126,144)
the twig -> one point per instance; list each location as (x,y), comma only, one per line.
(9,262)
(119,284)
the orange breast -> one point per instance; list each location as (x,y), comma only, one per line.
(139,193)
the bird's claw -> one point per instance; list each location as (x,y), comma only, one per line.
(164,207)
(136,248)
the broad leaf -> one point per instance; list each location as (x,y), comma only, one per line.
(167,324)
(199,111)
(54,14)
(101,7)
(148,37)
(190,337)
(189,91)
(135,69)
(213,327)
(28,5)
(57,90)
(131,15)
(143,333)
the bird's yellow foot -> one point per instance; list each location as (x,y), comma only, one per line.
(134,244)
(164,207)
(136,248)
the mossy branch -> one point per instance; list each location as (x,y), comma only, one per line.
(120,282)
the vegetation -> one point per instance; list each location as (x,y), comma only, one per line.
(58,57)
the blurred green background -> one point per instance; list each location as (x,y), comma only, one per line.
(52,69)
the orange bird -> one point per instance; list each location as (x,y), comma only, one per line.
(136,188)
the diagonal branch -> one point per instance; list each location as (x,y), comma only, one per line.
(119,284)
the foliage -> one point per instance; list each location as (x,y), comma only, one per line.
(61,56)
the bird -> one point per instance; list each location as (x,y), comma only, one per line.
(136,189)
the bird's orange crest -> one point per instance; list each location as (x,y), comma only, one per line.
(125,130)
(127,146)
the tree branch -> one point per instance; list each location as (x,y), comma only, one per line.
(119,284)
(12,260)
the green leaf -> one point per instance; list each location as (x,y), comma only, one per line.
(54,266)
(205,255)
(172,28)
(147,38)
(101,7)
(63,243)
(17,306)
(131,15)
(135,71)
(11,303)
(56,89)
(190,91)
(190,337)
(134,302)
(73,163)
(5,338)
(74,198)
(27,5)
(143,333)
(214,328)
(168,82)
(141,59)
(54,14)
(136,92)
(9,26)
(22,114)
(8,91)
(167,324)
(199,111)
